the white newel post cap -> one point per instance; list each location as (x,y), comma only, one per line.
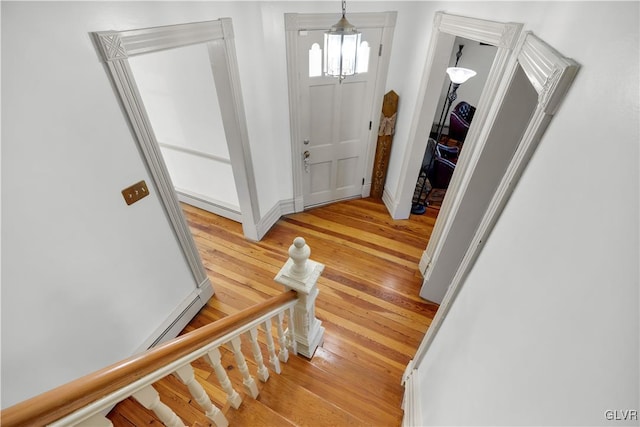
(299,272)
(299,252)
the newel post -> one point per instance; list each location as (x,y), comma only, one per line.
(301,274)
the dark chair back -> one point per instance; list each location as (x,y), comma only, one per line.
(460,120)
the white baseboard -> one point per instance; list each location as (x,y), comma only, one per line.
(388,201)
(425,260)
(287,207)
(283,207)
(213,206)
(180,316)
(411,403)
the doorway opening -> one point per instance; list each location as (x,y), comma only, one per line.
(217,53)
(181,101)
(456,110)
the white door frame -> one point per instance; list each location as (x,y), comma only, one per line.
(295,22)
(117,46)
(446,28)
(550,74)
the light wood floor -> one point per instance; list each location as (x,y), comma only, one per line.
(368,303)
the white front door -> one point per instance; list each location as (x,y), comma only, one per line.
(335,120)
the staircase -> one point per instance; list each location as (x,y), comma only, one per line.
(368,304)
(290,317)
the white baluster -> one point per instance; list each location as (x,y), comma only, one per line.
(186,375)
(249,383)
(150,399)
(263,372)
(291,333)
(214,357)
(271,347)
(282,339)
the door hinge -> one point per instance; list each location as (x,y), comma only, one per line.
(362,181)
(380,50)
(370,125)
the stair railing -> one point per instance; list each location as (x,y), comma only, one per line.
(81,402)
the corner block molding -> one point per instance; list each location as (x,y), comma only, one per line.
(111,46)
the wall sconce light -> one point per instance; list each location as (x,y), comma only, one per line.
(341,44)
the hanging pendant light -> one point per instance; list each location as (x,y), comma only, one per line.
(341,48)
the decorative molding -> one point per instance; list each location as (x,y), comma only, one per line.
(145,40)
(547,70)
(500,34)
(547,61)
(111,46)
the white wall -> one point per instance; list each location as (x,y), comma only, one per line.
(86,279)
(545,330)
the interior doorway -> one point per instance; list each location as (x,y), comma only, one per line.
(180,97)
(116,48)
(456,109)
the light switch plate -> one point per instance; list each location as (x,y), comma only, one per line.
(135,192)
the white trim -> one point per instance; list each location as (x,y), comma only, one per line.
(210,205)
(388,200)
(446,28)
(283,207)
(551,75)
(295,22)
(411,402)
(179,317)
(287,207)
(268,220)
(197,153)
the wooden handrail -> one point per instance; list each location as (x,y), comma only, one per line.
(64,400)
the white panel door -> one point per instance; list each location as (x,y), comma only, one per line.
(335,120)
